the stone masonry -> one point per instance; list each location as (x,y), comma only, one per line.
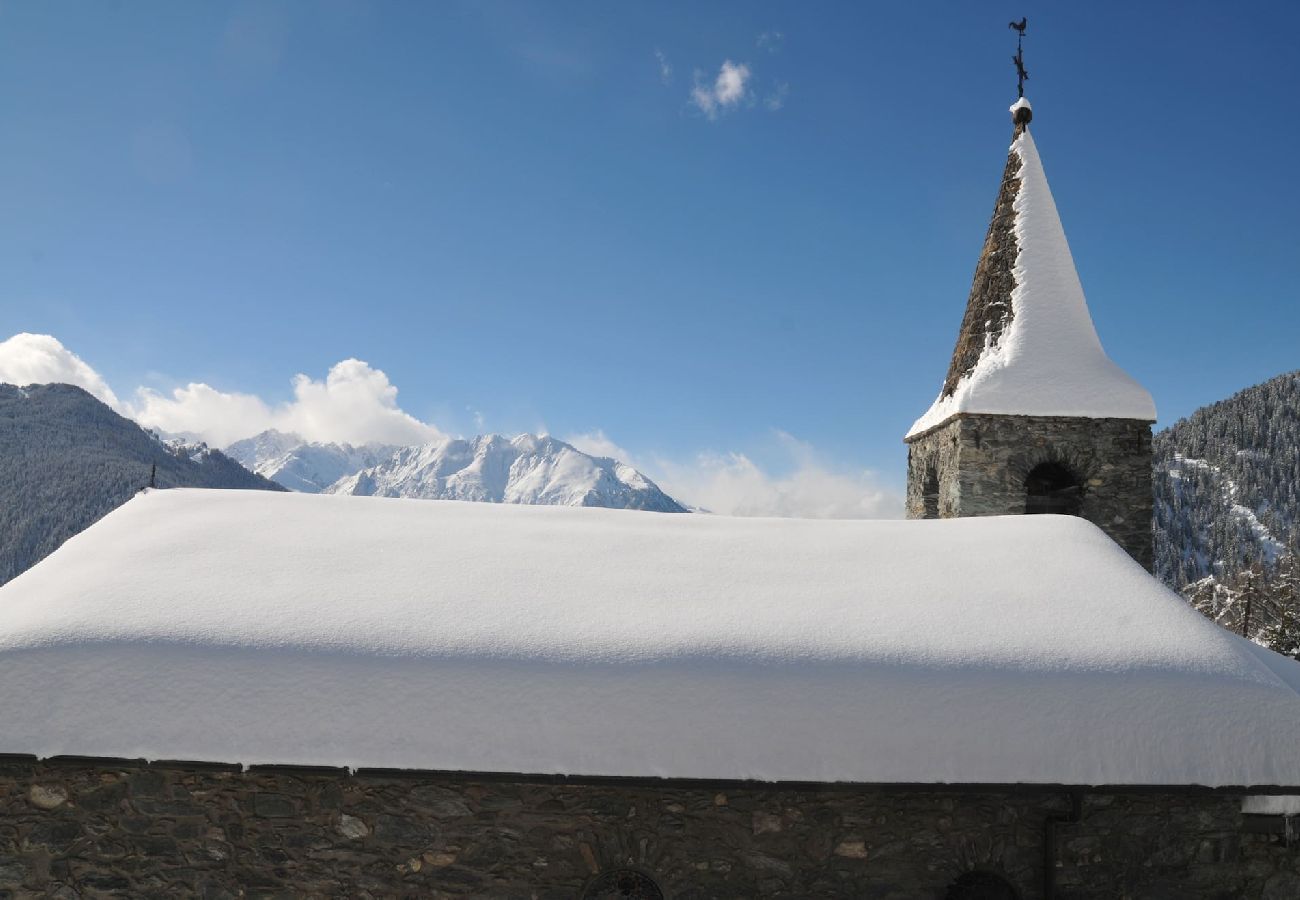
(989,309)
(980,463)
(92,828)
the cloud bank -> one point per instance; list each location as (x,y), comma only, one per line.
(355,404)
(41,359)
(597,443)
(730,483)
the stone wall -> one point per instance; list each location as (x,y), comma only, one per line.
(989,310)
(80,828)
(982,461)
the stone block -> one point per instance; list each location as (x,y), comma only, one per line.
(274,805)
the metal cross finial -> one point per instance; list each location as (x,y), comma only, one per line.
(1022,75)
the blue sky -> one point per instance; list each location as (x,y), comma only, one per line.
(520,213)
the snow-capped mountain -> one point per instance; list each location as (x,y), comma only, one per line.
(528,469)
(302,466)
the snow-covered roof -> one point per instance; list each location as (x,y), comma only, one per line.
(287,628)
(1047,360)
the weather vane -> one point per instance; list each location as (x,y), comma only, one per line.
(1019,59)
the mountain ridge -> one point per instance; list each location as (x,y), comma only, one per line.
(528,468)
(305,466)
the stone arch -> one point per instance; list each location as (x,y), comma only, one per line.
(623,884)
(1054,487)
(981,885)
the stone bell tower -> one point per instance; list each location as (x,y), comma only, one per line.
(1033,417)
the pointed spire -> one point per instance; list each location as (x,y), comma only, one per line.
(1027,345)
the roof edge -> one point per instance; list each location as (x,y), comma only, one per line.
(911,437)
(8,760)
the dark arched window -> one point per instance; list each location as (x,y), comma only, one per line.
(930,494)
(980,886)
(623,884)
(1052,488)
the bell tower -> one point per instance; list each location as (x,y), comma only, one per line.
(1033,416)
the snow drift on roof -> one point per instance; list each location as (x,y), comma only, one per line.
(1049,361)
(284,628)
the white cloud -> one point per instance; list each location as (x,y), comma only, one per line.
(480,421)
(776,99)
(355,400)
(727,90)
(771,41)
(596,443)
(730,86)
(355,404)
(733,484)
(665,67)
(41,359)
(201,411)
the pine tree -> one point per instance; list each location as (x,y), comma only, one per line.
(1283,633)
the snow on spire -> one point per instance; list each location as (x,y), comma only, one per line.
(1027,345)
(1021,113)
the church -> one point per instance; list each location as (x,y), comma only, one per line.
(226,694)
(1033,416)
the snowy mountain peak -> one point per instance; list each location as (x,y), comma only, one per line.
(526,469)
(269,442)
(304,466)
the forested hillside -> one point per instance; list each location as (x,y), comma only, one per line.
(1227,511)
(66,460)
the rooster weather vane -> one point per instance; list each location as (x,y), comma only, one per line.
(1022,74)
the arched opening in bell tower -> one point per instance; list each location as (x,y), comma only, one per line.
(1052,488)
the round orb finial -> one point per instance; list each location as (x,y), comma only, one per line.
(1021,113)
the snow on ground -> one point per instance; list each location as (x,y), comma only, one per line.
(1271,805)
(255,627)
(1049,361)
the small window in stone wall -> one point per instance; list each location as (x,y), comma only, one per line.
(981,886)
(623,884)
(1052,488)
(930,494)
